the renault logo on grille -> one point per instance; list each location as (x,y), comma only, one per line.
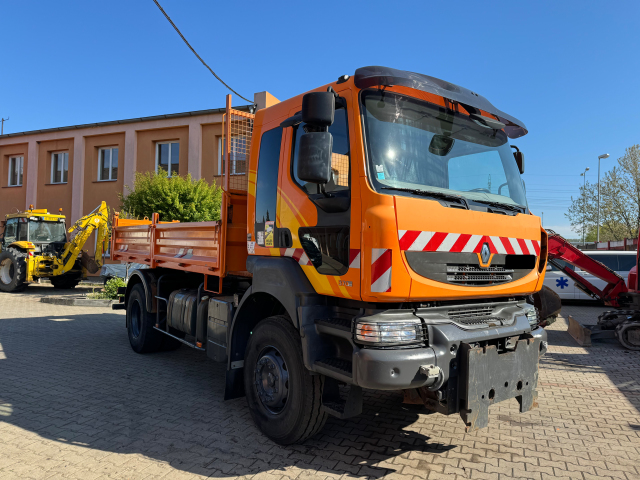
(485,253)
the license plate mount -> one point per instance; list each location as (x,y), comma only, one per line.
(489,377)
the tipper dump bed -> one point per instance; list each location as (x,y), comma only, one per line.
(211,248)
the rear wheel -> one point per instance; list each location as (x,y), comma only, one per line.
(284,398)
(142,337)
(13,270)
(65,282)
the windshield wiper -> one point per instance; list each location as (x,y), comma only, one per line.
(505,206)
(428,193)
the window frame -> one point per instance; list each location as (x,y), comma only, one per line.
(100,150)
(65,162)
(167,142)
(19,177)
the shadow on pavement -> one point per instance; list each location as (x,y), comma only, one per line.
(605,356)
(74,379)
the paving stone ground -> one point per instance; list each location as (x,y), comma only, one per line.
(77,402)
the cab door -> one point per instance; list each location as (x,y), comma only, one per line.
(323,222)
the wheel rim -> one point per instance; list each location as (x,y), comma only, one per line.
(272,380)
(136,319)
(6,271)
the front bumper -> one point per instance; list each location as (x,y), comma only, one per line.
(397,369)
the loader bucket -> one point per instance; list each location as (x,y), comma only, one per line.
(581,334)
(89,263)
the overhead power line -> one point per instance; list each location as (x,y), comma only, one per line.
(196,53)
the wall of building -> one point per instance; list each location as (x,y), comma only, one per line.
(54,196)
(12,198)
(147,140)
(197,133)
(95,191)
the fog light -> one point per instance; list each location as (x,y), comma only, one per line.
(390,333)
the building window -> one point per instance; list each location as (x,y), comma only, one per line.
(59,167)
(16,165)
(107,164)
(239,156)
(168,157)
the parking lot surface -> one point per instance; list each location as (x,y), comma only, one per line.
(77,402)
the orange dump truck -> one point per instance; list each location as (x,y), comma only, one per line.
(374,234)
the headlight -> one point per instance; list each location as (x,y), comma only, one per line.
(390,333)
(532,316)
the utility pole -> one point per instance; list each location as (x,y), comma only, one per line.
(2,127)
(601,157)
(543,219)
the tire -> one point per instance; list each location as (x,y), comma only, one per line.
(142,337)
(289,410)
(13,270)
(65,282)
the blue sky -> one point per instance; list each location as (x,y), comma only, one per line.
(568,69)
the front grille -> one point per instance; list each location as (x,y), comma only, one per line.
(474,275)
(473,316)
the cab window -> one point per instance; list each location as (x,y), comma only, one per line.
(267,187)
(11,231)
(610,261)
(561,263)
(340,158)
(626,262)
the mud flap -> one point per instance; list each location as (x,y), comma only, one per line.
(489,377)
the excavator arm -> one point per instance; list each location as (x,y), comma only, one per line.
(98,221)
(560,249)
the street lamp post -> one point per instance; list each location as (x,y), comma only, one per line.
(584,207)
(601,157)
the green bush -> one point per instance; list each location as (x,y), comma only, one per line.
(112,285)
(110,290)
(176,198)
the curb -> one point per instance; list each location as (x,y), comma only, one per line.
(78,301)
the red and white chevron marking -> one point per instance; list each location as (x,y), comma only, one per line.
(354,258)
(417,241)
(380,270)
(297,254)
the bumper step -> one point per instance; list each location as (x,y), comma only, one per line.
(335,368)
(334,404)
(337,327)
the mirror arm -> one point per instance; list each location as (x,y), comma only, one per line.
(339,100)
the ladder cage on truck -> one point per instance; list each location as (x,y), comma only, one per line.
(215,249)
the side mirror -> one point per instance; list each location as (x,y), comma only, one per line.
(519,156)
(318,108)
(314,157)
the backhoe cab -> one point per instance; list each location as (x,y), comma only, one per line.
(35,245)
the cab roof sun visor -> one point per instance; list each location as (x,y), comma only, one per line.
(377,76)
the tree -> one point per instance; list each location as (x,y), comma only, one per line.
(176,198)
(619,202)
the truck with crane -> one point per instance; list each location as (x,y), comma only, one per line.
(34,245)
(374,234)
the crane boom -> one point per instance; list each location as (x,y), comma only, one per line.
(560,249)
(97,220)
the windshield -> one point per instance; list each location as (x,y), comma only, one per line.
(417,145)
(42,231)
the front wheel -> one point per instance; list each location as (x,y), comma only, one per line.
(13,270)
(284,398)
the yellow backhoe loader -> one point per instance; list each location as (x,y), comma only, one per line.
(35,245)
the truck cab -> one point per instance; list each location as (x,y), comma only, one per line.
(389,246)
